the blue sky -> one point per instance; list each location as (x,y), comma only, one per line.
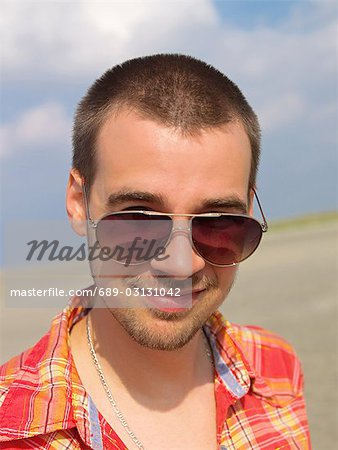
(248,14)
(282,54)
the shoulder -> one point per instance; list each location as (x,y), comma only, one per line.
(29,368)
(27,360)
(52,346)
(38,379)
(270,359)
(36,368)
(270,346)
(274,360)
(255,338)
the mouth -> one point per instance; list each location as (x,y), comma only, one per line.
(181,303)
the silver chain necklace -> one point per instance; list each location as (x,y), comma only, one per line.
(116,409)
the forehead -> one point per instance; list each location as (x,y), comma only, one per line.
(142,154)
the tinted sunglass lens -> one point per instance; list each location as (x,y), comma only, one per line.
(226,240)
(136,235)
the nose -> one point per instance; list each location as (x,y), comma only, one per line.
(179,260)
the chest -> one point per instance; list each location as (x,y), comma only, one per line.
(171,421)
(189,424)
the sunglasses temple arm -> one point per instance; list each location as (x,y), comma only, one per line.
(85,198)
(264,223)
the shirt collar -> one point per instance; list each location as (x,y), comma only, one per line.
(240,355)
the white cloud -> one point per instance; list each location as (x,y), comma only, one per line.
(288,72)
(35,129)
(282,111)
(284,69)
(76,38)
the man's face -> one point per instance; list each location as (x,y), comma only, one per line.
(135,154)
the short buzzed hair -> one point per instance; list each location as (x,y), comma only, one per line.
(175,90)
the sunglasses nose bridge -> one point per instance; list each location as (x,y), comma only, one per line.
(180,226)
(181,259)
(177,226)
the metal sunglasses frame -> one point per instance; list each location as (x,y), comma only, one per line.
(94,224)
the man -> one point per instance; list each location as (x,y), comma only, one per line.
(166,150)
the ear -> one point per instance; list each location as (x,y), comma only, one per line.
(251,201)
(75,205)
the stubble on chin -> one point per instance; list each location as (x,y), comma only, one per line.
(160,330)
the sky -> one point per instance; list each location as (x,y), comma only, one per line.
(282,54)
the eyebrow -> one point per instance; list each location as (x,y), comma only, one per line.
(231,202)
(125,195)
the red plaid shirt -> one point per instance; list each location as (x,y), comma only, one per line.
(258,392)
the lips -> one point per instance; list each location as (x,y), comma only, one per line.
(175,304)
(195,291)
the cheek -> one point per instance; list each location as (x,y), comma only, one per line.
(225,276)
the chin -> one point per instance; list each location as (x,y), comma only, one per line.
(162,330)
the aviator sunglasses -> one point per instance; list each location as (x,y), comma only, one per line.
(221,239)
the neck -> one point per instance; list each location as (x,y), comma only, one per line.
(147,371)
